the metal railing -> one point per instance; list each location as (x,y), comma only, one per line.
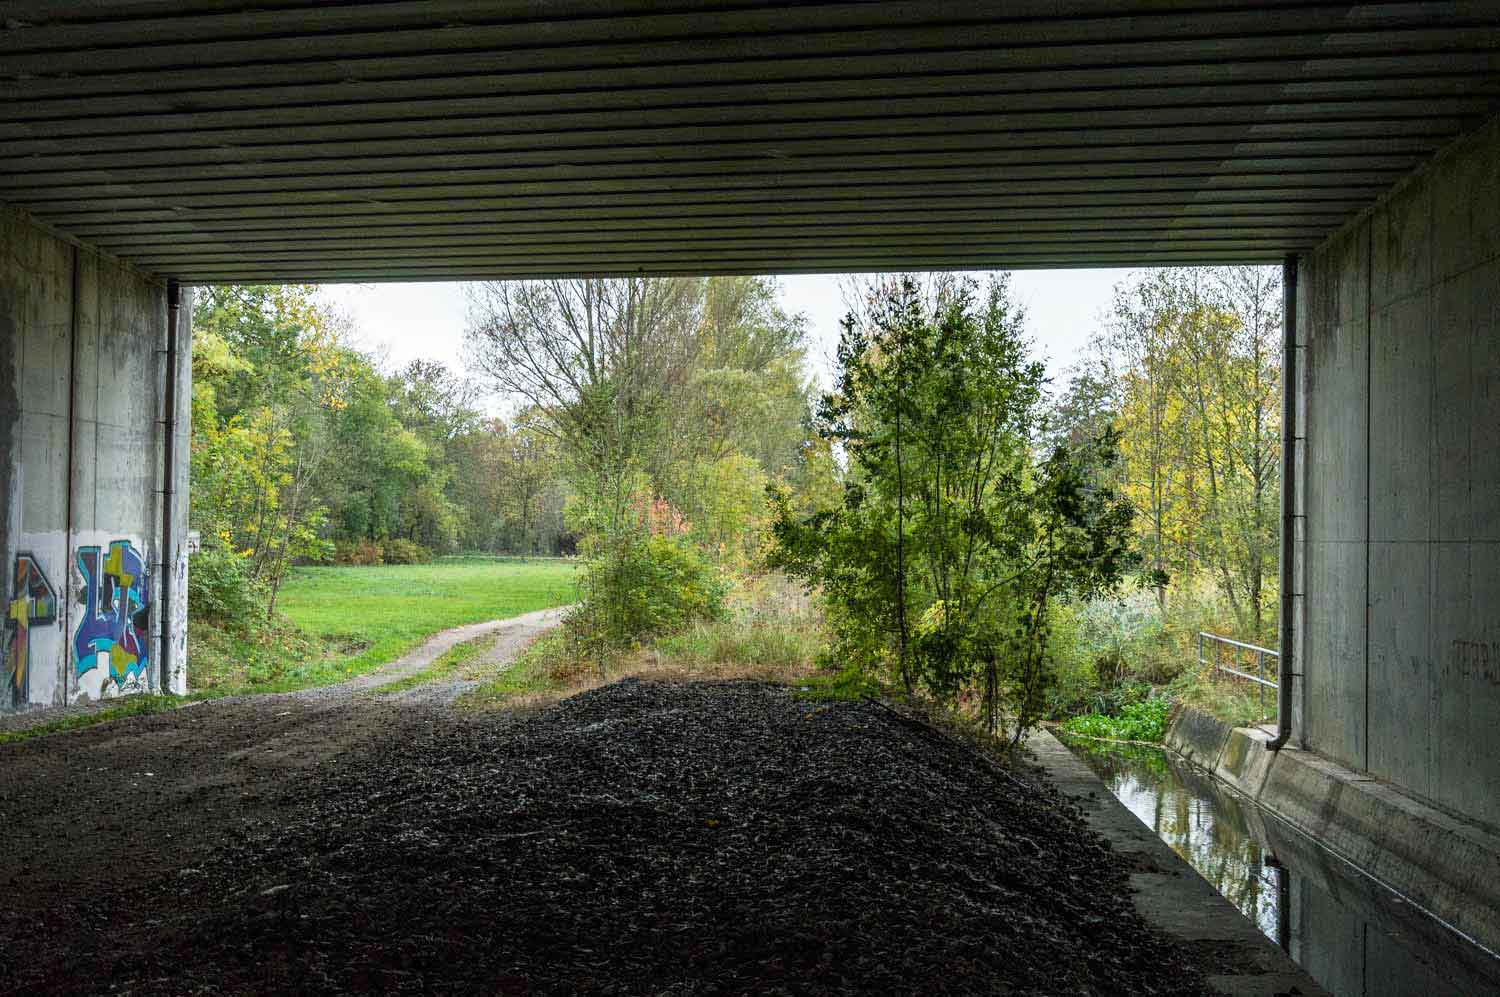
(1237,652)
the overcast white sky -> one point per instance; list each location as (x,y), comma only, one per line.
(405,321)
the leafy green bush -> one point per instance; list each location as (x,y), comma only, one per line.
(400,551)
(1109,665)
(1113,700)
(644,586)
(1141,721)
(1074,682)
(1092,669)
(846,684)
(221,590)
(1108,650)
(366,553)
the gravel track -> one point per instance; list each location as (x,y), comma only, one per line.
(511,638)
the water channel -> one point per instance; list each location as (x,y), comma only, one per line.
(1352,935)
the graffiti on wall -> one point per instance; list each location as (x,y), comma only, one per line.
(111,641)
(33,603)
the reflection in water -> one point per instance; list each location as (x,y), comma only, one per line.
(1353,936)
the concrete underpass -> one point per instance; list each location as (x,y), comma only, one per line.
(147,147)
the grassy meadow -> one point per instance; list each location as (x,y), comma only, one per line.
(339,621)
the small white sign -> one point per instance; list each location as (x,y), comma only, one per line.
(194,542)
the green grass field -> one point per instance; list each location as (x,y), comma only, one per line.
(348,620)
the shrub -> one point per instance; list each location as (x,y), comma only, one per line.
(1106,642)
(1162,646)
(641,587)
(1108,667)
(404,552)
(221,590)
(1114,699)
(1075,681)
(360,552)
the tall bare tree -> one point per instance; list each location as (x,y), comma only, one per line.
(598,357)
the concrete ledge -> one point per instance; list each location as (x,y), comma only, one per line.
(1169,893)
(1446,865)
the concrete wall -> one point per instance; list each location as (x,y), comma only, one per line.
(1399,628)
(82,409)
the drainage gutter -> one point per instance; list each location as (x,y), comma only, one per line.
(1169,895)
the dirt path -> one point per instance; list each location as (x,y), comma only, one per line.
(513,636)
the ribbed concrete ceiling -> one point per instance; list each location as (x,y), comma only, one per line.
(320,141)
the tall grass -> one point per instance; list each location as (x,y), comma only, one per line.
(1234,701)
(1111,653)
(773,633)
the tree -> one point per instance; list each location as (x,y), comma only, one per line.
(599,358)
(270,372)
(1193,354)
(1086,407)
(738,421)
(509,479)
(381,465)
(953,539)
(1250,418)
(653,376)
(436,407)
(433,402)
(727,507)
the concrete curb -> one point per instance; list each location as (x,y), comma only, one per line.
(1449,867)
(1170,895)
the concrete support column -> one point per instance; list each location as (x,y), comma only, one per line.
(1400,629)
(83,405)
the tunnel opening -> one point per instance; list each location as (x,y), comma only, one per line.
(148,149)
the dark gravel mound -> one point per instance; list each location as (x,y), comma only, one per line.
(654,839)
